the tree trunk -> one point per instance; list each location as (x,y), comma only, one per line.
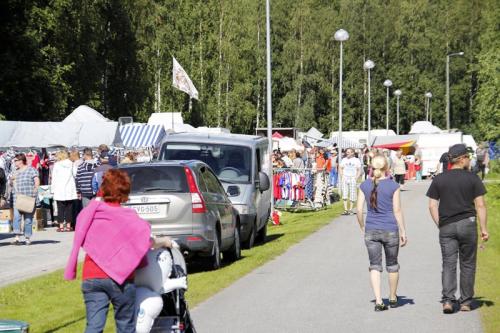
(299,97)
(219,93)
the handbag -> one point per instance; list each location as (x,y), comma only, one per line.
(24,203)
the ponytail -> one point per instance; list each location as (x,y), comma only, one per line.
(377,173)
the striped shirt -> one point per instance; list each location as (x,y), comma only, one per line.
(84,175)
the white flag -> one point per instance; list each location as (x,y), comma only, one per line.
(181,80)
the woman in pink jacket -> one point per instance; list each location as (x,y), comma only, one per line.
(116,241)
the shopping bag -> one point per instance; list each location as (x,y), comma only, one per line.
(24,203)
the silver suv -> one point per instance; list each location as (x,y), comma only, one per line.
(186,201)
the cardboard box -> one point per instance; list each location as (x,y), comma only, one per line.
(6,214)
(5,227)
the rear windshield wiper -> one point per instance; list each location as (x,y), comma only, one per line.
(226,181)
(166,189)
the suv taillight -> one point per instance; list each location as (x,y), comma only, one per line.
(198,204)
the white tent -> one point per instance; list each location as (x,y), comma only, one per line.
(424,127)
(7,129)
(85,114)
(169,120)
(44,134)
(286,144)
(96,133)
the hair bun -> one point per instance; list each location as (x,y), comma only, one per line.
(377,173)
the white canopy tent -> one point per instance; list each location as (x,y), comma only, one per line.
(7,128)
(85,114)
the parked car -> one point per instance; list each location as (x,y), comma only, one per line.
(186,201)
(241,162)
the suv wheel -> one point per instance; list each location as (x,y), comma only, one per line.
(261,236)
(234,252)
(215,258)
(248,244)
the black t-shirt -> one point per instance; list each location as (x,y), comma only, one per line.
(456,191)
(444,159)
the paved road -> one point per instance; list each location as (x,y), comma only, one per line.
(48,252)
(322,285)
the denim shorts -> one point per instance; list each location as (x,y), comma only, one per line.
(375,241)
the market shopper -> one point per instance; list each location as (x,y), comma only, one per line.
(24,181)
(84,175)
(399,168)
(482,160)
(99,172)
(116,241)
(384,228)
(456,197)
(349,172)
(63,187)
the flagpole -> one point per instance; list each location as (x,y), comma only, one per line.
(269,104)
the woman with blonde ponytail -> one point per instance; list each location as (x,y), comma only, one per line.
(384,228)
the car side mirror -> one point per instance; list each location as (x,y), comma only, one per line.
(264,183)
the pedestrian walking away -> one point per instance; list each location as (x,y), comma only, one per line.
(456,198)
(384,228)
(84,175)
(116,241)
(349,171)
(399,168)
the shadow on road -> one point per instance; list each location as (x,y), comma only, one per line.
(402,301)
(199,264)
(40,242)
(480,302)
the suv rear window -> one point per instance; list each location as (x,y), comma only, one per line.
(157,179)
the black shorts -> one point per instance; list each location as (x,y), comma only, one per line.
(400,179)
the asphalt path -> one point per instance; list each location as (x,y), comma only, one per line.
(48,252)
(322,285)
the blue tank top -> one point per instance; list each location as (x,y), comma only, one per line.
(383,217)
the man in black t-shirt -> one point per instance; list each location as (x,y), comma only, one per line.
(455,198)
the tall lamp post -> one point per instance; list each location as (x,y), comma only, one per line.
(268,90)
(387,84)
(448,86)
(368,65)
(397,93)
(428,96)
(340,35)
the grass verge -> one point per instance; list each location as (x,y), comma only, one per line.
(488,271)
(51,304)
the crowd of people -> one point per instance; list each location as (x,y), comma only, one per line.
(72,178)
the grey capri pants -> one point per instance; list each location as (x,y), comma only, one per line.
(375,241)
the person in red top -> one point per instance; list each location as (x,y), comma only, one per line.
(99,289)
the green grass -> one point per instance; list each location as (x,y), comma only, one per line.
(51,304)
(488,271)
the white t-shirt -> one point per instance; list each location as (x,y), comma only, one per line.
(350,166)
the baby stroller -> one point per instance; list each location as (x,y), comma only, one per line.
(172,313)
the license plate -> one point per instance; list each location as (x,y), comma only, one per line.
(150,210)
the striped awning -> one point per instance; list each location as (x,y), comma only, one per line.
(344,143)
(141,135)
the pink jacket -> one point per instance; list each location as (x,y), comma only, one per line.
(116,238)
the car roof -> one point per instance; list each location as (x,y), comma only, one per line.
(182,163)
(219,138)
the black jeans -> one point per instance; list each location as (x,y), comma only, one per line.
(459,242)
(98,293)
(375,241)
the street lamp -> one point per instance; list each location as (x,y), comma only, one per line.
(397,93)
(448,86)
(387,84)
(428,96)
(368,65)
(340,35)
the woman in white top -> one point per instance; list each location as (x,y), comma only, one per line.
(63,188)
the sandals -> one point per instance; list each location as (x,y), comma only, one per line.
(59,229)
(16,242)
(381,307)
(68,229)
(393,303)
(346,212)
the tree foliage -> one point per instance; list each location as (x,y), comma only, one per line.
(116,56)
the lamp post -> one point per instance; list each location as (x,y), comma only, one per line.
(340,35)
(387,84)
(397,93)
(268,100)
(428,96)
(448,86)
(368,65)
